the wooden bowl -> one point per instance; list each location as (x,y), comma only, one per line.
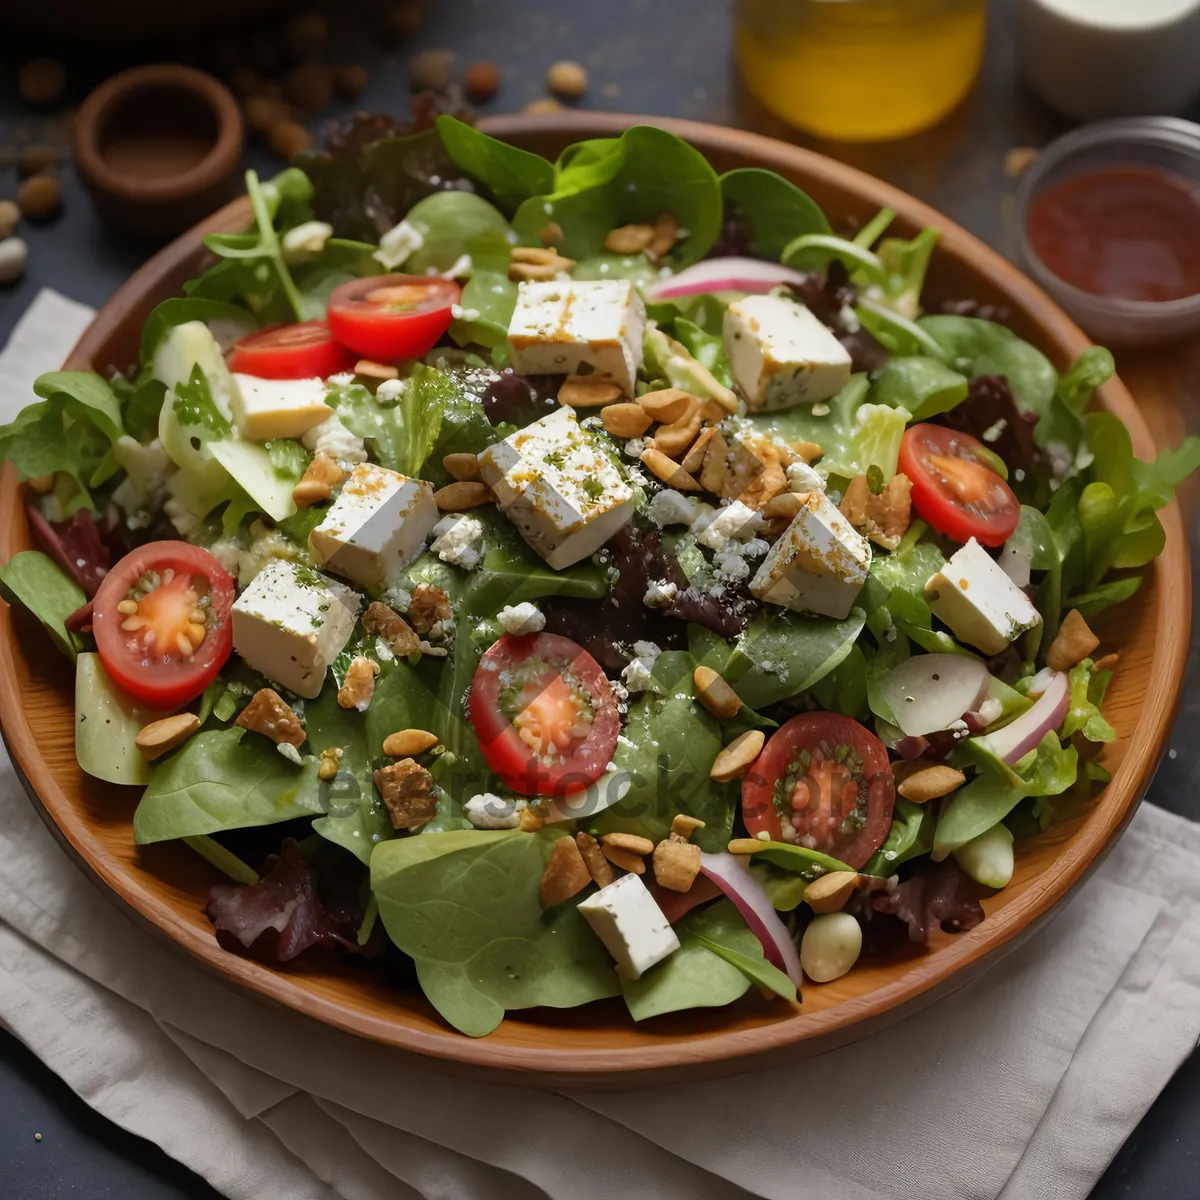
(598,1045)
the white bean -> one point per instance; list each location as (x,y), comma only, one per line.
(14,254)
(988,858)
(830,946)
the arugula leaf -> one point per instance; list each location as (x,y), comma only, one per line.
(36,582)
(512,175)
(608,182)
(464,906)
(776,211)
(224,779)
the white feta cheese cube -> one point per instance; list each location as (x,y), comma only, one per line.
(278,408)
(979,602)
(488,811)
(292,622)
(818,565)
(632,927)
(552,480)
(521,619)
(376,526)
(458,540)
(781,355)
(579,328)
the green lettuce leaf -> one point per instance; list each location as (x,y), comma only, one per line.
(1087,695)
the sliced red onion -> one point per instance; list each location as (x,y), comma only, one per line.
(676,905)
(747,894)
(930,691)
(1016,740)
(725,275)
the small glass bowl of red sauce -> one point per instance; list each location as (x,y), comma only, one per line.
(1109,224)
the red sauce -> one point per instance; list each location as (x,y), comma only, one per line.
(1127,233)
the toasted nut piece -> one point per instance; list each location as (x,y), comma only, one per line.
(10,215)
(1074,642)
(321,476)
(884,518)
(683,826)
(532,819)
(628,841)
(668,404)
(676,865)
(481,81)
(520,272)
(630,239)
(536,255)
(543,105)
(715,473)
(408,791)
(762,489)
(587,391)
(566,874)
(408,743)
(625,859)
(551,234)
(375,370)
(160,736)
(735,760)
(350,81)
(42,484)
(431,70)
(805,451)
(429,606)
(1107,663)
(462,495)
(567,79)
(536,262)
(329,763)
(464,467)
(388,624)
(625,420)
(666,232)
(1018,160)
(39,197)
(786,505)
(931,783)
(715,694)
(597,864)
(669,471)
(288,138)
(693,460)
(268,714)
(359,684)
(830,892)
(673,440)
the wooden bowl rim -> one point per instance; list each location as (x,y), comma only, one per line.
(721,1052)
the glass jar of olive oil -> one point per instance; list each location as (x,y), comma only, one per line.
(860,70)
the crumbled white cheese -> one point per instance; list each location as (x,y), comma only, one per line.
(660,594)
(333,438)
(521,619)
(397,244)
(289,752)
(803,478)
(306,240)
(736,520)
(458,540)
(390,390)
(990,710)
(488,811)
(670,507)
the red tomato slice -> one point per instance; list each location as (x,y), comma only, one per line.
(290,352)
(390,317)
(829,779)
(156,651)
(954,488)
(545,714)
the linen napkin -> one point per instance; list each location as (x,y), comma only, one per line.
(1023,1084)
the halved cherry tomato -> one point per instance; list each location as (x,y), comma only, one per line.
(390,317)
(954,488)
(290,352)
(545,714)
(829,779)
(161,622)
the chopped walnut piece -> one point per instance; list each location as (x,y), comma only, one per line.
(1073,643)
(884,518)
(676,864)
(269,714)
(359,685)
(429,605)
(408,791)
(388,624)
(593,856)
(566,874)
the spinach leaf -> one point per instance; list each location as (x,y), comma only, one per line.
(808,864)
(36,582)
(756,969)
(453,224)
(844,689)
(963,340)
(464,906)
(512,175)
(923,386)
(780,654)
(776,211)
(975,808)
(637,177)
(910,836)
(1105,595)
(487,305)
(635,267)
(667,746)
(700,974)
(224,779)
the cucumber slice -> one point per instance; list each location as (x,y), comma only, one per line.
(106,723)
(180,352)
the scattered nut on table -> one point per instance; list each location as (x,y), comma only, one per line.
(567,79)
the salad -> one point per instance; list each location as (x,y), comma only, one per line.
(542,582)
